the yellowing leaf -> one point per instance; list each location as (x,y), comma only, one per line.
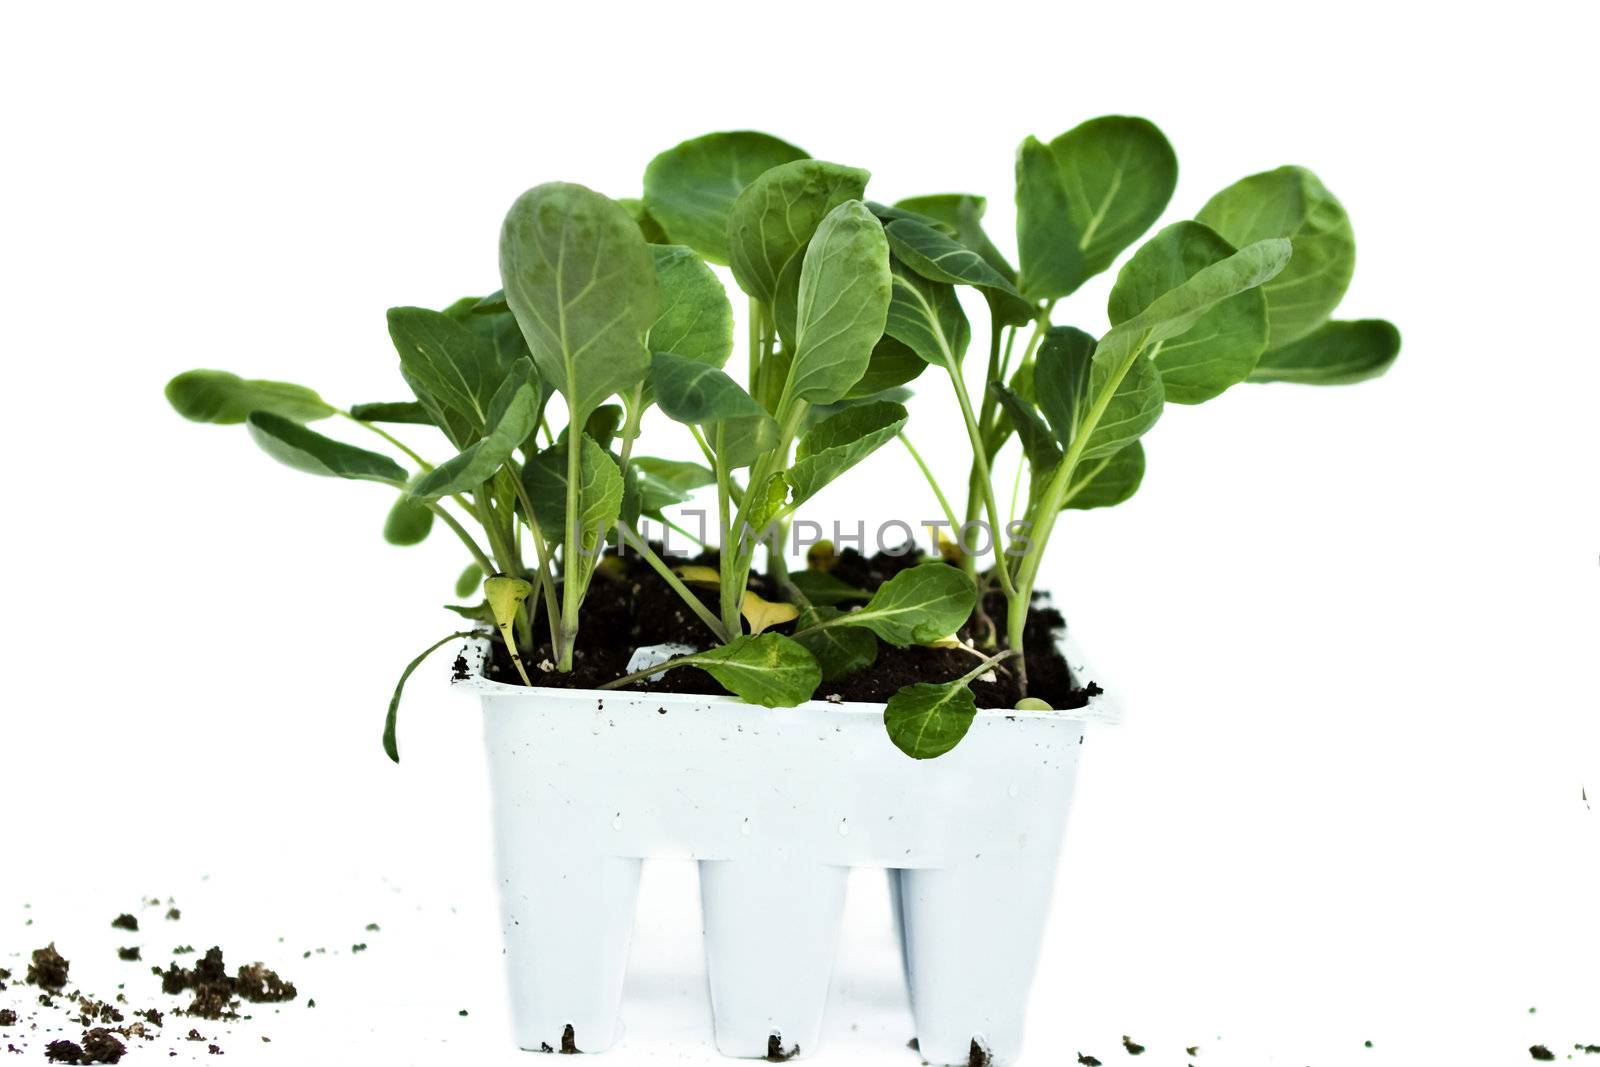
(761,614)
(698,575)
(950,641)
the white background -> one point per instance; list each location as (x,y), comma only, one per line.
(1355,628)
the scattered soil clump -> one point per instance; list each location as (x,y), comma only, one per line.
(215,993)
(126,922)
(48,970)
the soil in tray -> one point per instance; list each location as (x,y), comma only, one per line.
(629,606)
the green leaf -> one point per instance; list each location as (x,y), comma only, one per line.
(407,412)
(843,301)
(1038,444)
(926,317)
(927,720)
(695,320)
(1336,353)
(408,523)
(963,214)
(391,744)
(649,228)
(1135,405)
(516,414)
(226,399)
(664,482)
(839,442)
(603,424)
(744,440)
(942,259)
(1061,379)
(767,669)
(599,493)
(838,650)
(469,581)
(582,283)
(691,187)
(920,604)
(1047,241)
(1290,202)
(1107,480)
(892,364)
(292,444)
(822,588)
(1223,345)
(696,393)
(453,371)
(773,219)
(1118,173)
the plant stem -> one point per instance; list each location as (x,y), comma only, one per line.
(387,436)
(933,483)
(659,565)
(985,485)
(987,665)
(572,547)
(637,676)
(541,552)
(630,429)
(727,598)
(484,563)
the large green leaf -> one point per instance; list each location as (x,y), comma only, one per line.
(926,317)
(694,319)
(453,371)
(1118,173)
(293,445)
(582,283)
(743,441)
(408,523)
(691,392)
(892,364)
(1061,379)
(690,188)
(1222,347)
(842,304)
(220,397)
(599,492)
(1038,443)
(926,720)
(773,220)
(1290,202)
(839,442)
(515,414)
(824,589)
(838,650)
(920,604)
(767,669)
(1047,241)
(1106,481)
(1336,353)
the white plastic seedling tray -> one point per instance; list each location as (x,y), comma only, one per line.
(776,805)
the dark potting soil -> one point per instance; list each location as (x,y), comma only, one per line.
(628,606)
(215,993)
(47,969)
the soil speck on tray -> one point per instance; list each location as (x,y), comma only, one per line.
(7,1017)
(775,1050)
(372,928)
(977,1055)
(1133,1047)
(194,1035)
(1539,1052)
(128,953)
(48,970)
(1088,1061)
(569,1042)
(173,914)
(215,1050)
(462,1013)
(125,922)
(1192,1050)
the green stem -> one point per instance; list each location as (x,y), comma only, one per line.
(571,551)
(387,436)
(986,666)
(541,552)
(639,676)
(630,429)
(391,720)
(479,557)
(944,504)
(660,567)
(985,484)
(727,563)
